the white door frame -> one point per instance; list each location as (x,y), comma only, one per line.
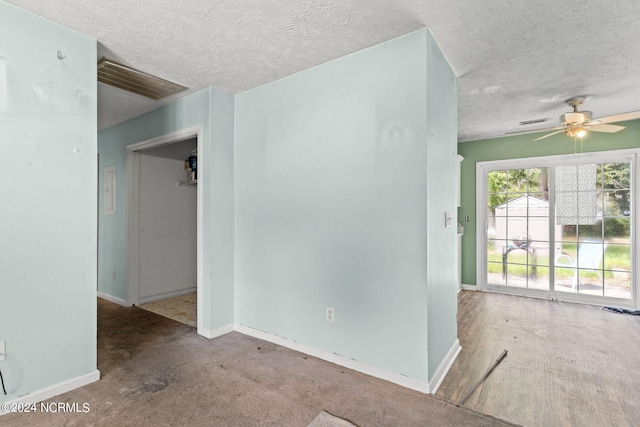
(482,169)
(133,211)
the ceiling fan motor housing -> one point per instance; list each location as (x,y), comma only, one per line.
(576,117)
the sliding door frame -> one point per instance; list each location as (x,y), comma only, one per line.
(551,162)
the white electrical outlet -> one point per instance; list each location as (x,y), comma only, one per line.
(331,314)
(3,350)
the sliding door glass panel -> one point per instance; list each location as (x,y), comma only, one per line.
(518,228)
(593,247)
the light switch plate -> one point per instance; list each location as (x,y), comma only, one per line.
(447,219)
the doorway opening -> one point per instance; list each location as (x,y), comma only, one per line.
(164,205)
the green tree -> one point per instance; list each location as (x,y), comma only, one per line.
(508,184)
(616,176)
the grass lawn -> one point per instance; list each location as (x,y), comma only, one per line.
(617,257)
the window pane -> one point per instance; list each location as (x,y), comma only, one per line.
(537,205)
(617,257)
(565,279)
(590,231)
(591,282)
(616,175)
(617,230)
(539,278)
(539,253)
(497,181)
(617,284)
(495,248)
(517,273)
(498,230)
(518,181)
(494,273)
(538,182)
(617,203)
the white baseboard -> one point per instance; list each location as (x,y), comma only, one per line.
(55,390)
(337,359)
(165,295)
(444,367)
(470,287)
(112,299)
(208,333)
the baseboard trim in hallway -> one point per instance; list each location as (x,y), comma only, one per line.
(112,299)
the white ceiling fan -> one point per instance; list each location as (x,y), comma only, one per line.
(577,123)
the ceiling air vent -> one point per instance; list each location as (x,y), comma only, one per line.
(126,78)
(530,122)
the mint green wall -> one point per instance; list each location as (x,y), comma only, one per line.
(48,193)
(333,207)
(213,110)
(516,147)
(442,245)
(335,196)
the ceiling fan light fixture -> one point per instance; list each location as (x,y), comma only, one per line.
(575,118)
(576,132)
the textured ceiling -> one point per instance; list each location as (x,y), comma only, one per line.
(516,60)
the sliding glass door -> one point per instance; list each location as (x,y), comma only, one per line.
(559,227)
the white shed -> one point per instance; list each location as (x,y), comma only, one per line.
(524,216)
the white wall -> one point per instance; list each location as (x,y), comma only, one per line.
(48,194)
(167,230)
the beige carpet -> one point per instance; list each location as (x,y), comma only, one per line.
(325,419)
(181,308)
(157,372)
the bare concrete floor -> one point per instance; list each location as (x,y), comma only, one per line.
(567,365)
(158,372)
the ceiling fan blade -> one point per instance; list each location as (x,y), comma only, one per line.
(534,130)
(549,134)
(632,115)
(604,128)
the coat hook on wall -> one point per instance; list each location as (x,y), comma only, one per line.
(60,55)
